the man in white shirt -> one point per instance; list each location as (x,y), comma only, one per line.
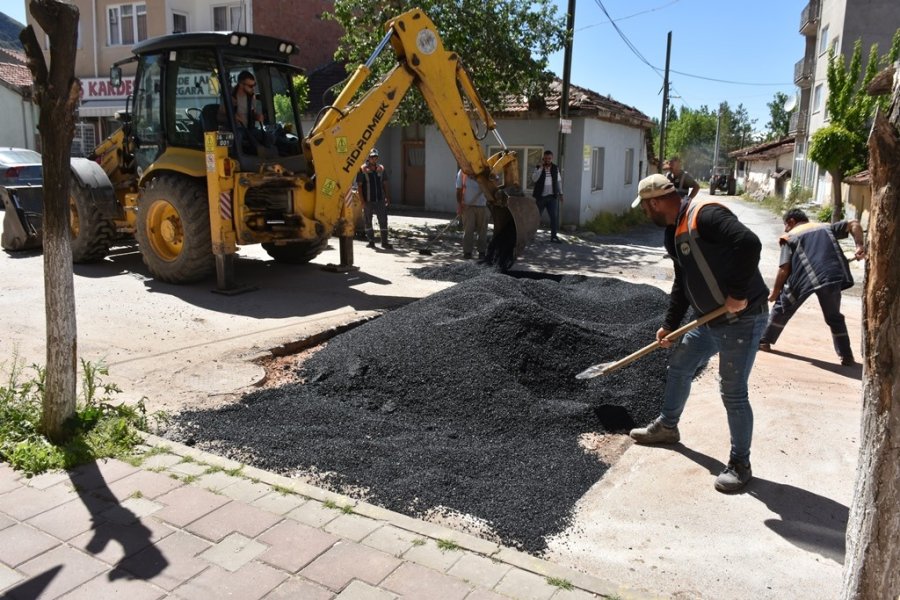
(472,205)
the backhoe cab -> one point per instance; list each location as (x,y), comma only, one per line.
(192,182)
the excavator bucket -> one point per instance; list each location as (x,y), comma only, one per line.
(22,221)
(514,228)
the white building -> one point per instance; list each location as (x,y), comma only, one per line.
(765,169)
(605,155)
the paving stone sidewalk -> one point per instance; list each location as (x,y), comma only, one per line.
(180,523)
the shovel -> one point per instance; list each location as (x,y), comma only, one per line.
(604,368)
(426,250)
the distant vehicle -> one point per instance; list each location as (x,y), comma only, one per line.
(722,180)
(20,166)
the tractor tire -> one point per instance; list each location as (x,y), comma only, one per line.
(92,234)
(173,230)
(297,253)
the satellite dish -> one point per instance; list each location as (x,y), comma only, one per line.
(791,103)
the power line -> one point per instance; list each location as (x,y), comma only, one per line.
(658,70)
(637,14)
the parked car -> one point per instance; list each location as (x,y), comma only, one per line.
(722,180)
(20,166)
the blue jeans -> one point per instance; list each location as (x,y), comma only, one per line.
(736,343)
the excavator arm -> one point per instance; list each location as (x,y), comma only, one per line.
(340,141)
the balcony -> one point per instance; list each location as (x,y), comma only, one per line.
(809,18)
(803,72)
(798,123)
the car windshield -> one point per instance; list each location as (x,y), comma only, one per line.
(19,156)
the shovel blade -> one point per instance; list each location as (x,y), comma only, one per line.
(595,371)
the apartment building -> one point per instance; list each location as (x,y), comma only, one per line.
(109,28)
(829,24)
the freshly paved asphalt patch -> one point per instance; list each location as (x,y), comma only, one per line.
(465,400)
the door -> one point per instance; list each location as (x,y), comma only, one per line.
(414,172)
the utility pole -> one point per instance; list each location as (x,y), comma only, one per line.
(665,107)
(567,75)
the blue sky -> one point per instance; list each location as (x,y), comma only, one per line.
(749,42)
(756,42)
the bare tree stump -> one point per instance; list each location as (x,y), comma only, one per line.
(872,563)
(57,94)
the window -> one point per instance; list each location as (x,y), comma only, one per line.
(817,98)
(193,86)
(823,40)
(528,157)
(179,22)
(835,44)
(228,18)
(127,24)
(629,166)
(598,156)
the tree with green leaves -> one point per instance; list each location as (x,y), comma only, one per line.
(840,147)
(504,44)
(779,119)
(692,136)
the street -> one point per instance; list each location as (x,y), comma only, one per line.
(653,523)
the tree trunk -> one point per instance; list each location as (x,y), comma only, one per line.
(57,93)
(837,196)
(872,563)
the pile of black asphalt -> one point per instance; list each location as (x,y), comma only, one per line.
(465,400)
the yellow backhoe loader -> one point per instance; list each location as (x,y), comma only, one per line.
(192,184)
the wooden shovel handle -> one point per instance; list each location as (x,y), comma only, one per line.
(671,337)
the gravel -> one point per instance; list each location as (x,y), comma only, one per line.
(464,402)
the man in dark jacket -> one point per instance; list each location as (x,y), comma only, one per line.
(716,264)
(372,182)
(812,262)
(547,191)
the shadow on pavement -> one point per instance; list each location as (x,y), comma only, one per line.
(112,522)
(33,587)
(851,372)
(809,521)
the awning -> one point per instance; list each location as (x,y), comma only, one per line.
(100,108)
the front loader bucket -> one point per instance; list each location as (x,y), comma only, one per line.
(514,228)
(22,221)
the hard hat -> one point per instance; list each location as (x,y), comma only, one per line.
(374,152)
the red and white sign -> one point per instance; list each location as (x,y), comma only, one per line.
(98,88)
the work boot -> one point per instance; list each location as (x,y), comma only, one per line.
(655,433)
(384,241)
(734,477)
(848,361)
(765,347)
(467,255)
(371,244)
(370,235)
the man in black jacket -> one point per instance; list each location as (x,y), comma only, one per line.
(716,264)
(547,191)
(812,262)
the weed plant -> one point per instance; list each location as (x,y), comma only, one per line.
(606,223)
(98,429)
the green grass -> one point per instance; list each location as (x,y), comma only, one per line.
(418,542)
(137,494)
(98,429)
(607,223)
(284,491)
(447,545)
(564,584)
(235,472)
(331,504)
(190,478)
